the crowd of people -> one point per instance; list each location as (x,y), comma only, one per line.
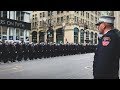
(10,52)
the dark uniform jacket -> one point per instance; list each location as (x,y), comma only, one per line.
(106,59)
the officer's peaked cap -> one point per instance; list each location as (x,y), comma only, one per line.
(107,19)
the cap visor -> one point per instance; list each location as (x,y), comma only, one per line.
(98,23)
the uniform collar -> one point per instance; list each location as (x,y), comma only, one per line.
(107,31)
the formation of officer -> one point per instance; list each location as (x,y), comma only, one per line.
(30,51)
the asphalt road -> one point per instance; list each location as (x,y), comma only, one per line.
(63,67)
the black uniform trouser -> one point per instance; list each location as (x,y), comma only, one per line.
(5,57)
(10,56)
(25,55)
(0,57)
(14,56)
(34,55)
(45,54)
(30,55)
(19,58)
(106,77)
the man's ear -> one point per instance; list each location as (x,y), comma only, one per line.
(103,25)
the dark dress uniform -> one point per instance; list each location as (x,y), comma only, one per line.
(4,53)
(36,51)
(48,50)
(39,51)
(11,52)
(15,52)
(19,51)
(106,59)
(52,50)
(30,51)
(55,50)
(25,51)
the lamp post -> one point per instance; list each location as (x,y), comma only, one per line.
(63,26)
(63,30)
(50,32)
(45,30)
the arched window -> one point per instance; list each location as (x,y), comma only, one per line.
(34,36)
(76,30)
(60,35)
(91,37)
(50,35)
(95,38)
(82,36)
(87,37)
(41,36)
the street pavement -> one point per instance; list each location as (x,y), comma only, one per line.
(63,67)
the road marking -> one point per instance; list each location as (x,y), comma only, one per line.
(17,71)
(11,68)
(14,68)
(88,67)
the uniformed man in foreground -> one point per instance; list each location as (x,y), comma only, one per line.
(106,59)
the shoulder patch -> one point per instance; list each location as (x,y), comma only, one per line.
(106,41)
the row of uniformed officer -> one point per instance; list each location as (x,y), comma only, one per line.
(24,51)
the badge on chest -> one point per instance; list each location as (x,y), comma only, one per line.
(106,41)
